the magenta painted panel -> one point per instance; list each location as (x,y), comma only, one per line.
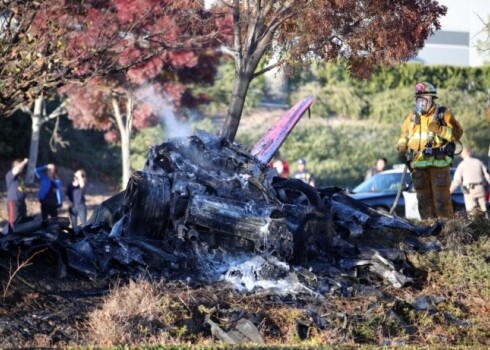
(265,148)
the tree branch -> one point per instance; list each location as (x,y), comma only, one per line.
(237,42)
(268,68)
(59,111)
(20,266)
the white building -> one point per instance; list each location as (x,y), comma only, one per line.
(461,29)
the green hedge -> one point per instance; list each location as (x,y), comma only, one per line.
(15,132)
(359,121)
(340,153)
(220,92)
(469,79)
(383,102)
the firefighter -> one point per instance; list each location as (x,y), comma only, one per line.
(426,145)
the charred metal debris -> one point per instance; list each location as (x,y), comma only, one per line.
(204,209)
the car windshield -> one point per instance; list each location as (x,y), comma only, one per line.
(388,182)
(383,182)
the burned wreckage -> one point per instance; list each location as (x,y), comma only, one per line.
(205,209)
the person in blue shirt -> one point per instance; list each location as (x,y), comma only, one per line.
(50,192)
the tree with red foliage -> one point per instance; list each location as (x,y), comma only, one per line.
(24,63)
(365,34)
(117,47)
(46,44)
(98,53)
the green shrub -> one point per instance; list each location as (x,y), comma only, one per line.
(141,143)
(391,106)
(334,100)
(220,92)
(86,149)
(469,109)
(339,154)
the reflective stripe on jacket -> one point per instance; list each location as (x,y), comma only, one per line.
(414,137)
(421,161)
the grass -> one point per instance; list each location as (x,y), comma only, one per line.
(149,313)
(138,313)
(170,314)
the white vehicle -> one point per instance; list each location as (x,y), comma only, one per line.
(380,191)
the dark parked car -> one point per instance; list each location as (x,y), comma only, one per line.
(380,191)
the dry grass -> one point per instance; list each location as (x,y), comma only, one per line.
(460,274)
(143,313)
(136,313)
(463,231)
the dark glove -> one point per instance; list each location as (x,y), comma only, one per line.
(440,130)
(402,157)
(402,148)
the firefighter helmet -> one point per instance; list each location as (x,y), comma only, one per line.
(425,89)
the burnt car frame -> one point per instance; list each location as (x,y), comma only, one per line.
(202,199)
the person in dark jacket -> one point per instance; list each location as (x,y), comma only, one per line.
(16,197)
(379,167)
(49,193)
(75,191)
(304,175)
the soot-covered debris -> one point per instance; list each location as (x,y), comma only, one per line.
(204,209)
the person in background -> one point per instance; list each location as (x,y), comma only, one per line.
(304,175)
(426,145)
(280,165)
(49,193)
(75,191)
(379,167)
(472,175)
(488,167)
(16,197)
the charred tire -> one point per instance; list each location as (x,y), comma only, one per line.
(146,205)
(294,191)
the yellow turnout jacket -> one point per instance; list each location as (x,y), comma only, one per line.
(414,137)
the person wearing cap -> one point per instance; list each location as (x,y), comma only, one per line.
(302,174)
(426,145)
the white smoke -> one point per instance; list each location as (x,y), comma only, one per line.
(162,107)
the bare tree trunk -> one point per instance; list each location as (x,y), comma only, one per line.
(239,93)
(252,36)
(125,127)
(37,121)
(126,158)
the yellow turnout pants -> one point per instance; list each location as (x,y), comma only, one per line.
(432,187)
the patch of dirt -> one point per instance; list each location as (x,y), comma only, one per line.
(39,310)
